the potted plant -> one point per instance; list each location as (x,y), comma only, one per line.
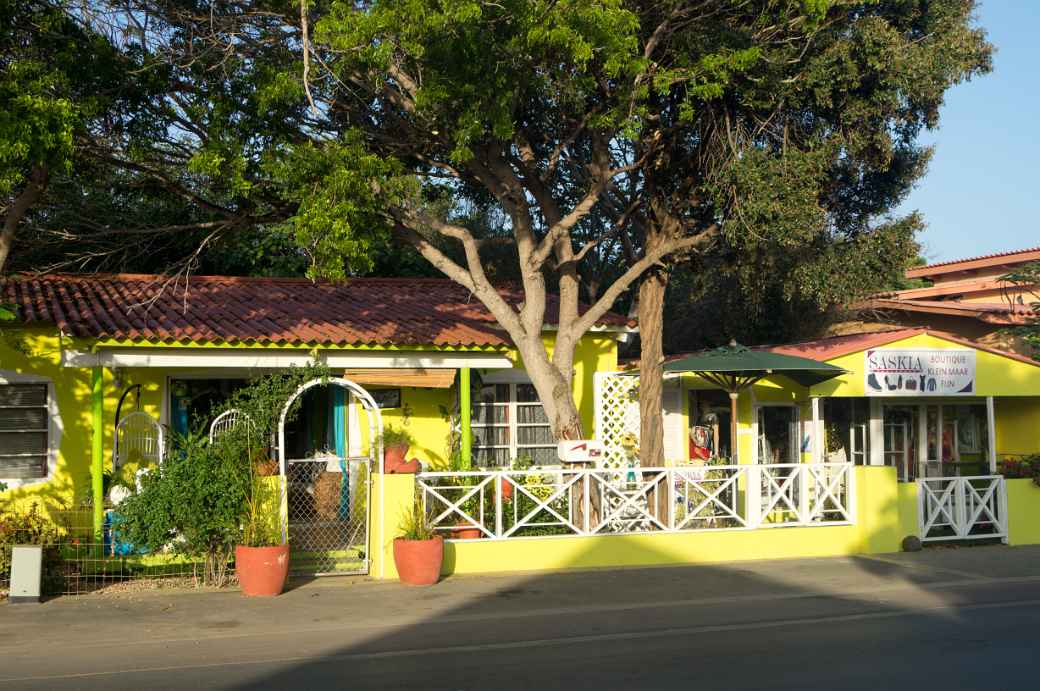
(262,558)
(396,442)
(418,550)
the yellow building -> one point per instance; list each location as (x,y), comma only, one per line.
(97,359)
(908,442)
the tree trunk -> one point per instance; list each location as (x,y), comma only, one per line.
(553,385)
(19,208)
(651,373)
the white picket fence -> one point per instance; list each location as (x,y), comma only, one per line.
(509,504)
(962,508)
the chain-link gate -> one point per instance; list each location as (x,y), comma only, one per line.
(325,510)
(327,503)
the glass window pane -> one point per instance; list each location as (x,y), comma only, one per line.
(491,436)
(488,458)
(495,393)
(534,435)
(525,393)
(526,414)
(23,467)
(486,414)
(542,455)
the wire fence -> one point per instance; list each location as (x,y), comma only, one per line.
(76,561)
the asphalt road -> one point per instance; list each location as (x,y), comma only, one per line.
(958,619)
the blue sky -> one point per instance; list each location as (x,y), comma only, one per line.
(981,194)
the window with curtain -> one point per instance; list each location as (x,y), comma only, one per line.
(24,431)
(508,423)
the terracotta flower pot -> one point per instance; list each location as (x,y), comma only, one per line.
(419,561)
(507,489)
(394,454)
(262,571)
(465,531)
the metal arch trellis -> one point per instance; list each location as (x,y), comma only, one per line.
(329,539)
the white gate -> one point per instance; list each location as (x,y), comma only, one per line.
(962,508)
(326,498)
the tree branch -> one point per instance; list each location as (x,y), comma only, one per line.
(619,286)
(34,188)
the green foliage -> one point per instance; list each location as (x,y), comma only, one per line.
(1027,279)
(263,399)
(207,498)
(32,527)
(192,504)
(339,191)
(396,435)
(413,524)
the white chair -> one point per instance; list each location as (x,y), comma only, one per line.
(227,421)
(139,438)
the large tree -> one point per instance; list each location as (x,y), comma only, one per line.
(684,124)
(609,136)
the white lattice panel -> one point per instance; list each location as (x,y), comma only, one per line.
(617,416)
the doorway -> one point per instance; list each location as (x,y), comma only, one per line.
(900,426)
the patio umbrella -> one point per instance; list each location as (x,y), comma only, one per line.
(734,368)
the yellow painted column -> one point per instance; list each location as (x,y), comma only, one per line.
(391,501)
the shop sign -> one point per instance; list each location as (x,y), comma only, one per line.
(890,372)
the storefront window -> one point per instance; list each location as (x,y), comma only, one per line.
(847,430)
(936,439)
(961,446)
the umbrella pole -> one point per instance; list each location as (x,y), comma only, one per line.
(733,426)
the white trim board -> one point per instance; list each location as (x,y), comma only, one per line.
(247,359)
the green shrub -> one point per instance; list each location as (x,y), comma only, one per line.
(206,498)
(192,504)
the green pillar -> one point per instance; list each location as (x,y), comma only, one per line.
(465,410)
(97,463)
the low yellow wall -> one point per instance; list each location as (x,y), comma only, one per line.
(396,493)
(886,510)
(1023,512)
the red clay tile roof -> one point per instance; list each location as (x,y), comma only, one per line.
(980,262)
(220,309)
